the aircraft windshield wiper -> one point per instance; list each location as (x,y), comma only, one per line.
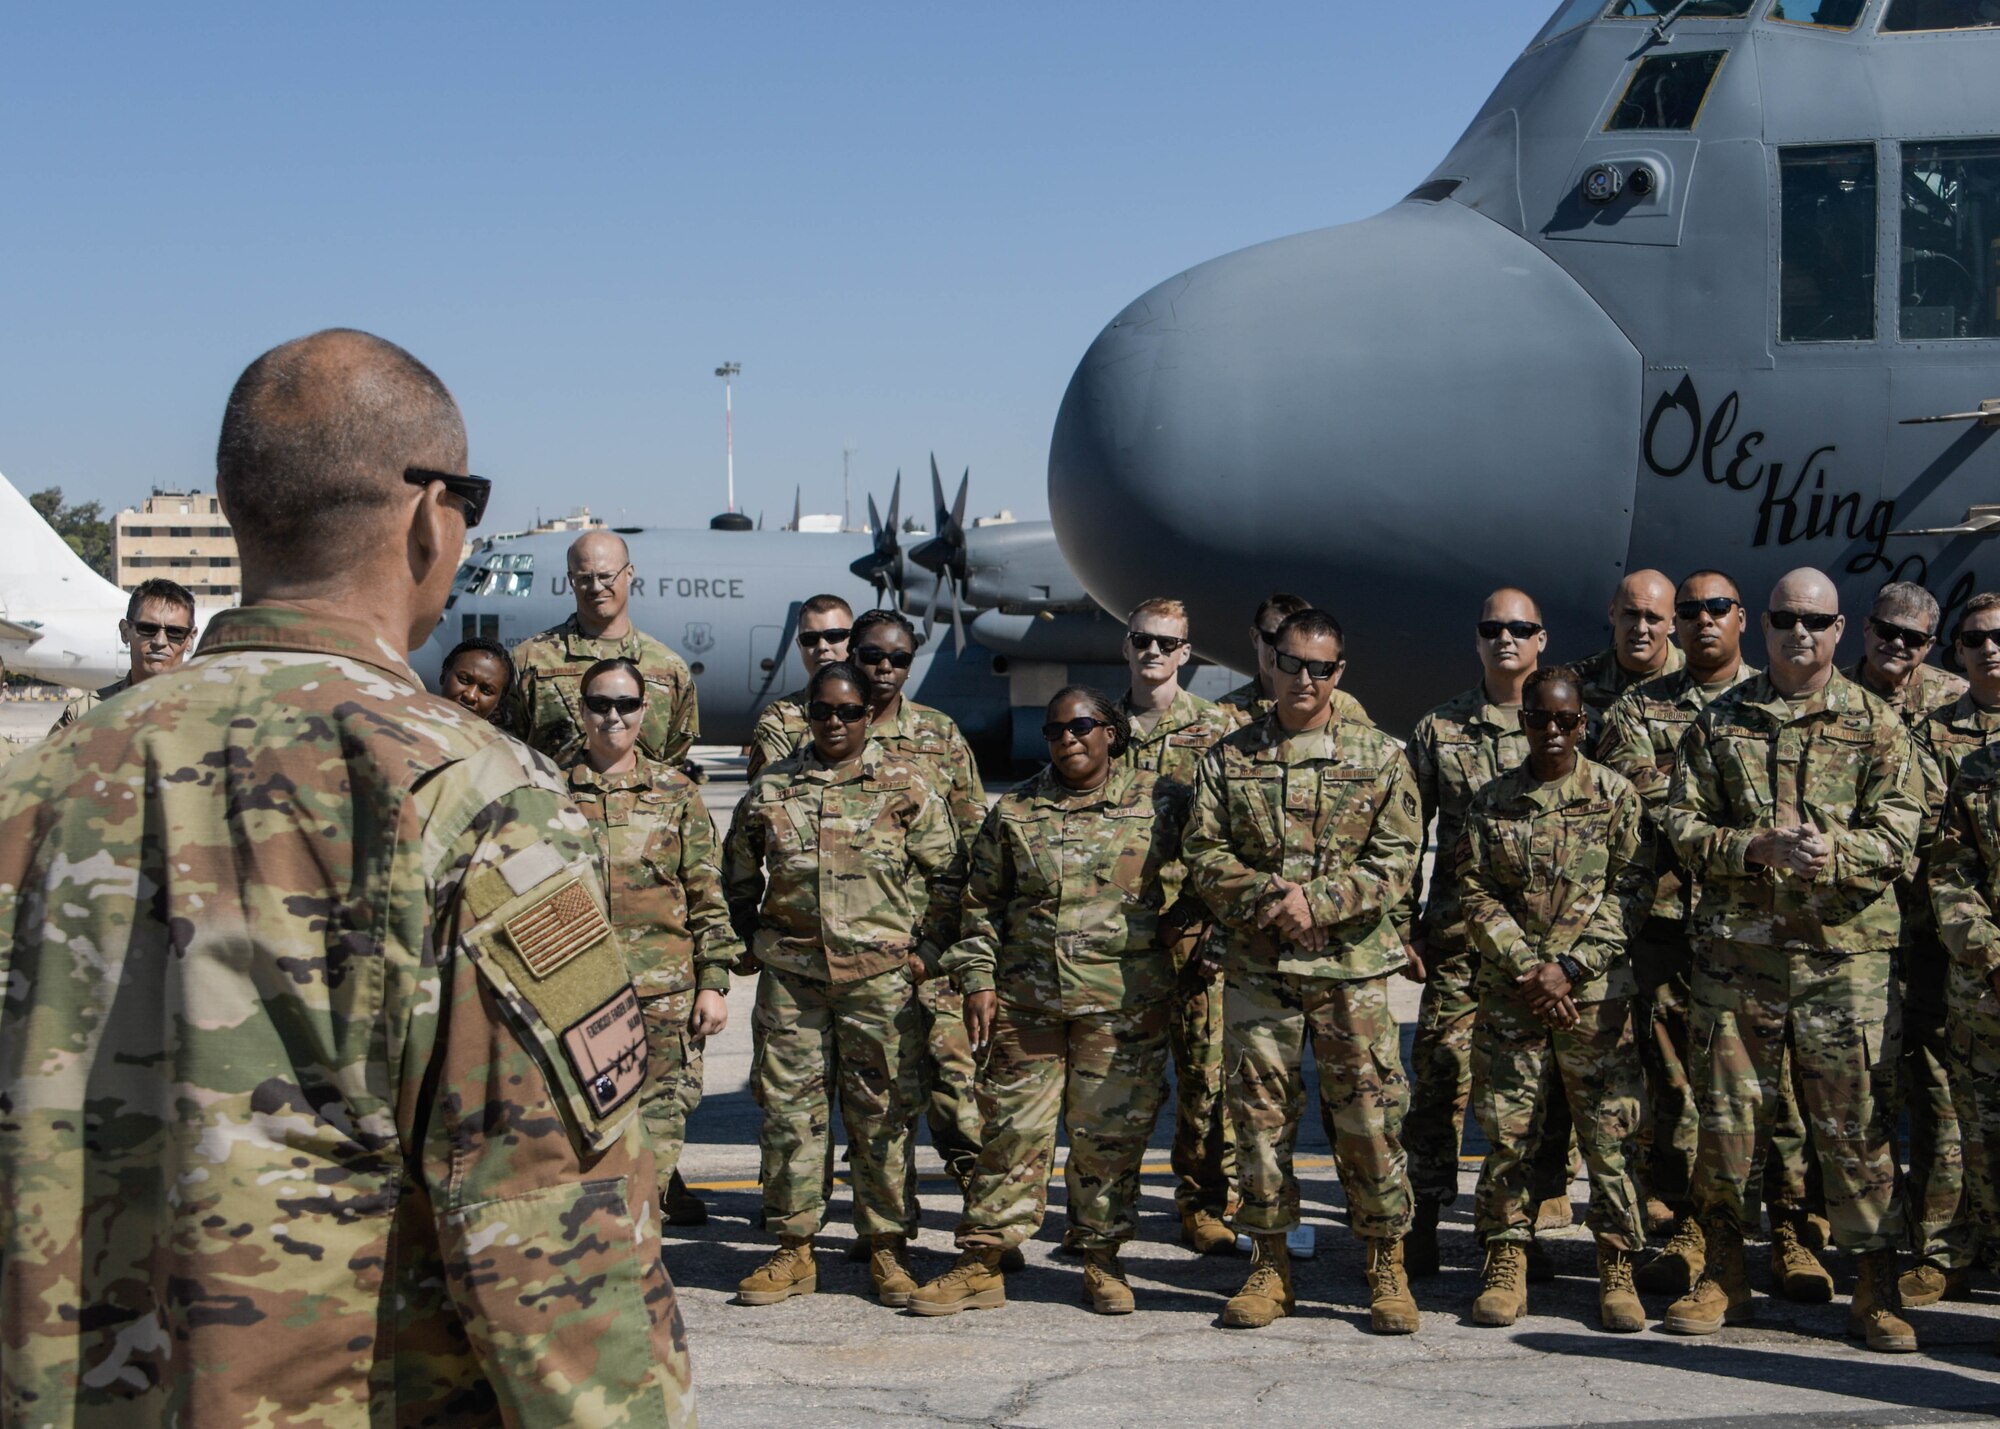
(1665,23)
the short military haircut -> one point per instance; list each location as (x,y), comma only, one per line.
(1709,573)
(498,652)
(1103,707)
(822,604)
(843,670)
(1281,604)
(1549,675)
(1312,624)
(876,619)
(609,667)
(161,589)
(1986,600)
(1906,598)
(1164,606)
(318,432)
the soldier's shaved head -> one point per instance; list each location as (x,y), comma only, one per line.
(1651,588)
(1805,589)
(315,440)
(1511,603)
(598,550)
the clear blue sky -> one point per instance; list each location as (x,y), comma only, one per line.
(905,221)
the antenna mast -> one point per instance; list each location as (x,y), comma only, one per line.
(728,372)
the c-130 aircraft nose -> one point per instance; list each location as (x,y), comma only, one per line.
(1390,418)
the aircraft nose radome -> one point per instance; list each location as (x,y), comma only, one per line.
(1390,417)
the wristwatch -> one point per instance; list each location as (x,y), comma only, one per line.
(1571,969)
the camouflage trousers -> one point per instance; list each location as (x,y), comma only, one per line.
(1764,1018)
(1268,1017)
(1204,1151)
(1941,1218)
(1598,1079)
(868,1037)
(1975,1067)
(950,1077)
(1104,1077)
(1441,1074)
(1663,963)
(673,1076)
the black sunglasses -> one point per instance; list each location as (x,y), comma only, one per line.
(876,655)
(1817,621)
(605,704)
(1315,669)
(474,491)
(1519,629)
(1146,639)
(1568,721)
(1080,726)
(147,630)
(1269,637)
(810,639)
(819,712)
(1973,639)
(1715,605)
(1890,633)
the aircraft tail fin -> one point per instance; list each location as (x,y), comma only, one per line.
(38,570)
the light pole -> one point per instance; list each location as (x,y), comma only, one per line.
(727,372)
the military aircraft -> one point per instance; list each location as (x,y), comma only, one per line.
(1705,283)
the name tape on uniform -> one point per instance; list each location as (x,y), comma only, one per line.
(607,1048)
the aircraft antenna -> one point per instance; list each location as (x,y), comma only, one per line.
(728,373)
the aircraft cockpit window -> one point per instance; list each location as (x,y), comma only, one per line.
(1667,92)
(507,575)
(1572,14)
(1826,14)
(1951,240)
(1910,16)
(1697,10)
(1826,255)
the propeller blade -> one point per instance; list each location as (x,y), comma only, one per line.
(896,500)
(874,521)
(930,613)
(957,622)
(795,509)
(937,499)
(958,507)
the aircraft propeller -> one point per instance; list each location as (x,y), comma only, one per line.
(883,567)
(944,554)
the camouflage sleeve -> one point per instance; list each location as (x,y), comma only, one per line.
(769,742)
(1879,846)
(1627,748)
(1626,895)
(1231,888)
(517,709)
(968,794)
(683,721)
(1694,804)
(989,884)
(1371,886)
(1961,883)
(1423,766)
(716,945)
(931,838)
(1930,774)
(68,717)
(1491,929)
(743,865)
(521,1084)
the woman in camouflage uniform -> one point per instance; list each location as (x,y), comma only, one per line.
(1067,989)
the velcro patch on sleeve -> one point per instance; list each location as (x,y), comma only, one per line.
(554,929)
(607,1049)
(532,866)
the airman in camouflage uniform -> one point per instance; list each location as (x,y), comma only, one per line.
(825,622)
(320,1109)
(542,708)
(1302,842)
(1248,703)
(1641,616)
(157,612)
(1554,871)
(1796,808)
(83,704)
(841,875)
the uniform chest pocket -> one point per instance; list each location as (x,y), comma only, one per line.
(1836,763)
(662,854)
(1582,829)
(1257,808)
(1743,764)
(1037,869)
(1130,860)
(1464,767)
(1510,852)
(794,825)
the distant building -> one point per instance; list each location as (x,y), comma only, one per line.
(578,520)
(181,535)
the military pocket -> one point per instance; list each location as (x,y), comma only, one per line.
(1129,839)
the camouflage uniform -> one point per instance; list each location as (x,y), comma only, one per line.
(931,741)
(1062,913)
(1786,967)
(84,703)
(1553,870)
(1604,680)
(781,728)
(1455,751)
(1335,810)
(837,875)
(544,706)
(658,860)
(1204,1153)
(320,1065)
(1641,739)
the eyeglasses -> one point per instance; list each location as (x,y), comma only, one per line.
(1715,605)
(819,712)
(1817,621)
(1890,633)
(605,704)
(1973,639)
(1146,639)
(1316,670)
(876,655)
(1519,629)
(811,639)
(474,491)
(151,630)
(591,580)
(1082,725)
(1269,637)
(1568,721)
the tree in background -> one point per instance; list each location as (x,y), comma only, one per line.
(82,526)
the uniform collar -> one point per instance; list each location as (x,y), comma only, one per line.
(1280,746)
(1839,695)
(820,772)
(1969,716)
(277,627)
(1048,790)
(579,644)
(1481,710)
(640,776)
(1579,786)
(1177,716)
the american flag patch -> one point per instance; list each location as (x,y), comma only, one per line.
(554,930)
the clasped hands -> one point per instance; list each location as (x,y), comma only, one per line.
(1795,848)
(1290,916)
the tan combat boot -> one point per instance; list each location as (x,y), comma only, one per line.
(1503,1285)
(1795,1270)
(790,1271)
(1659,1216)
(1392,1310)
(1420,1243)
(889,1270)
(1267,1293)
(1722,1295)
(1872,1315)
(1204,1233)
(1680,1261)
(1105,1288)
(974,1282)
(1618,1307)
(1554,1214)
(1927,1283)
